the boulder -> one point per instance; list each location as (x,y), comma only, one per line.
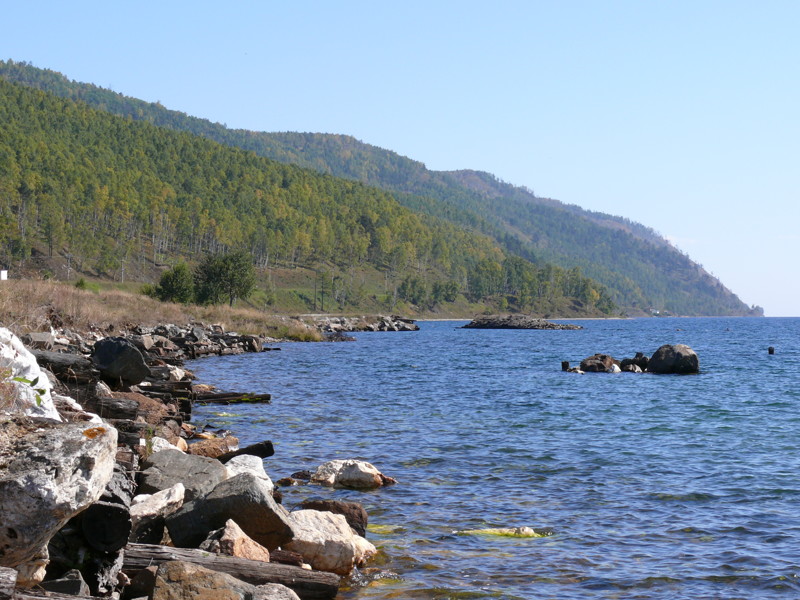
(597,363)
(24,386)
(232,541)
(356,474)
(214,447)
(631,368)
(326,541)
(148,513)
(49,472)
(247,500)
(247,463)
(640,360)
(674,359)
(71,583)
(165,468)
(117,359)
(177,580)
(353,512)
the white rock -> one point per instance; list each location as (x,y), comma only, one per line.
(29,399)
(161,503)
(50,474)
(176,373)
(326,542)
(247,463)
(156,444)
(348,473)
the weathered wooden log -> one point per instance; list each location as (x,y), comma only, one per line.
(71,368)
(309,585)
(112,408)
(8,579)
(261,450)
(39,594)
(233,398)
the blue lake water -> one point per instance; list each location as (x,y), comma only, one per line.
(654,487)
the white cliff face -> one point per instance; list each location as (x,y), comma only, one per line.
(25,389)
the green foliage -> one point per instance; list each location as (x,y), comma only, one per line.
(81,284)
(176,285)
(124,190)
(227,276)
(413,289)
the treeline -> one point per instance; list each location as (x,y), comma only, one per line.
(639,268)
(109,192)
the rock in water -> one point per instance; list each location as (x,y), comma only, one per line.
(516,322)
(674,359)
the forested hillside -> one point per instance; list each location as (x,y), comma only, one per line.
(111,193)
(641,271)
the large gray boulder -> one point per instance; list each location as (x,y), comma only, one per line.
(247,500)
(48,472)
(165,468)
(118,359)
(674,359)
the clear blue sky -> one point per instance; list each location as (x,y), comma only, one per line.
(682,115)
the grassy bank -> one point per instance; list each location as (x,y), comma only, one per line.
(33,305)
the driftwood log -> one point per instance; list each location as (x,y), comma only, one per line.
(71,368)
(309,585)
(233,398)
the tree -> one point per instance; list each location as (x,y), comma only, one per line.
(221,276)
(176,285)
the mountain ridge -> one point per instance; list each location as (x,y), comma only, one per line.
(642,270)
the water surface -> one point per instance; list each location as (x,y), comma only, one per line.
(654,487)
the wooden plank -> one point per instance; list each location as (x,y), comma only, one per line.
(309,585)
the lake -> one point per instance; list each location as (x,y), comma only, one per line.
(651,487)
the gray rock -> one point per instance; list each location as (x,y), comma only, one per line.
(245,499)
(597,363)
(70,583)
(179,580)
(165,468)
(48,473)
(674,359)
(148,513)
(118,359)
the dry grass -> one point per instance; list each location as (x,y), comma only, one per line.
(32,305)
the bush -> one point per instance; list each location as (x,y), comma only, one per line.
(176,285)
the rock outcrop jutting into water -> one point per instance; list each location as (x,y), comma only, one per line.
(69,479)
(516,322)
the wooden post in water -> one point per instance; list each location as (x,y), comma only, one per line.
(565,365)
(771,350)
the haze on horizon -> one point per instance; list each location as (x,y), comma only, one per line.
(681,116)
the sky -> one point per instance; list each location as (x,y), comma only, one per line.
(681,115)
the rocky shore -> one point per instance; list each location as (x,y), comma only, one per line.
(516,321)
(108,490)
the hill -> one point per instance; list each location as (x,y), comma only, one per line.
(112,195)
(641,270)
